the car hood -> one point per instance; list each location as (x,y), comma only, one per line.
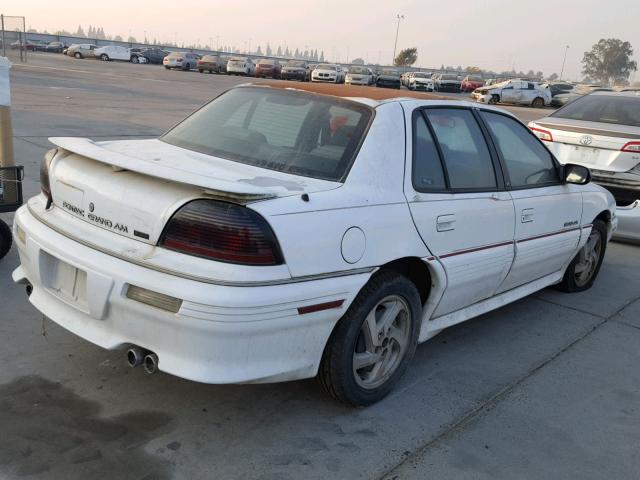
(159,159)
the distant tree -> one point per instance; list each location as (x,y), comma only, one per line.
(609,61)
(473,70)
(132,39)
(297,54)
(80,32)
(279,51)
(32,30)
(321,59)
(357,61)
(553,76)
(305,55)
(259,50)
(268,50)
(531,74)
(442,67)
(90,32)
(459,68)
(539,74)
(287,52)
(117,38)
(406,57)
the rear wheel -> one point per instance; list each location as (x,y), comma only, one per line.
(104,57)
(5,239)
(77,55)
(584,268)
(494,100)
(134,59)
(537,102)
(373,343)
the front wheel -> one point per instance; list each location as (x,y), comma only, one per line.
(537,102)
(5,239)
(104,57)
(584,268)
(77,55)
(373,343)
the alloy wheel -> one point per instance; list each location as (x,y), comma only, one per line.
(588,259)
(382,343)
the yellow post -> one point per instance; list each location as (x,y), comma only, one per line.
(6,131)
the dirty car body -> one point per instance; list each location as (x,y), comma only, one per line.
(245,244)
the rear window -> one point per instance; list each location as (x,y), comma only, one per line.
(176,54)
(621,110)
(266,62)
(291,132)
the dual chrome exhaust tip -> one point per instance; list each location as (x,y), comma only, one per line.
(137,356)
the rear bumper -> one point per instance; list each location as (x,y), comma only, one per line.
(221,334)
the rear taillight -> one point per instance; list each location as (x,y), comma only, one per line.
(631,147)
(543,135)
(222,231)
(45,184)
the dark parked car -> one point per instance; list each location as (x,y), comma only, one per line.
(447,82)
(32,45)
(558,88)
(211,64)
(150,55)
(55,47)
(268,68)
(296,70)
(389,78)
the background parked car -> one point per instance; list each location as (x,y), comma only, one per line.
(241,66)
(181,60)
(112,52)
(516,91)
(268,68)
(360,76)
(31,45)
(82,50)
(296,70)
(209,63)
(327,72)
(578,91)
(445,82)
(55,47)
(470,83)
(148,55)
(389,78)
(421,81)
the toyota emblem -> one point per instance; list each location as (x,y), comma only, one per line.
(586,140)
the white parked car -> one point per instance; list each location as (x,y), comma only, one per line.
(519,92)
(278,234)
(241,66)
(421,81)
(360,76)
(181,60)
(112,52)
(601,131)
(326,72)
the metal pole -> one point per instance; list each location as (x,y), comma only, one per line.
(563,61)
(24,29)
(395,46)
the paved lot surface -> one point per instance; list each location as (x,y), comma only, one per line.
(548,387)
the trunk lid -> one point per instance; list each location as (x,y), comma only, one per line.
(132,188)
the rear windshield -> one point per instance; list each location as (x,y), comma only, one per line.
(623,109)
(292,132)
(210,58)
(176,54)
(266,62)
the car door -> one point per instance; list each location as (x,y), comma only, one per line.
(510,92)
(456,195)
(548,211)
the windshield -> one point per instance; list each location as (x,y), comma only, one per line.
(358,70)
(293,63)
(266,62)
(292,132)
(448,77)
(421,75)
(475,79)
(324,66)
(391,72)
(622,109)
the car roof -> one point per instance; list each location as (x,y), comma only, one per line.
(605,93)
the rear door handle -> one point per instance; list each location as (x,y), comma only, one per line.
(445,223)
(527,215)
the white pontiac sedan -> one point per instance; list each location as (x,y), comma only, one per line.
(519,92)
(278,234)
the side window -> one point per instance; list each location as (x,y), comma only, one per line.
(466,155)
(528,162)
(427,171)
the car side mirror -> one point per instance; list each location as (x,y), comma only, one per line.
(576,174)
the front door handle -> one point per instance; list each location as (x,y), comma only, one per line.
(446,223)
(527,215)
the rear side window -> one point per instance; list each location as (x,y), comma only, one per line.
(528,162)
(465,153)
(427,168)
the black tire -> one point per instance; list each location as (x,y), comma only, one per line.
(569,283)
(5,239)
(494,100)
(104,57)
(200,71)
(134,59)
(336,373)
(77,55)
(537,102)
(167,68)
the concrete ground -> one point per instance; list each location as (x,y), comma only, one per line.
(548,387)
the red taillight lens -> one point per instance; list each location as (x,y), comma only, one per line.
(45,184)
(631,147)
(224,232)
(543,135)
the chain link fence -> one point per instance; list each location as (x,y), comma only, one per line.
(13,38)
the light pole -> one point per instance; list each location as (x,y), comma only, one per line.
(395,46)
(564,59)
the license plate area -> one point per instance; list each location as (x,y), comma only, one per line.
(65,281)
